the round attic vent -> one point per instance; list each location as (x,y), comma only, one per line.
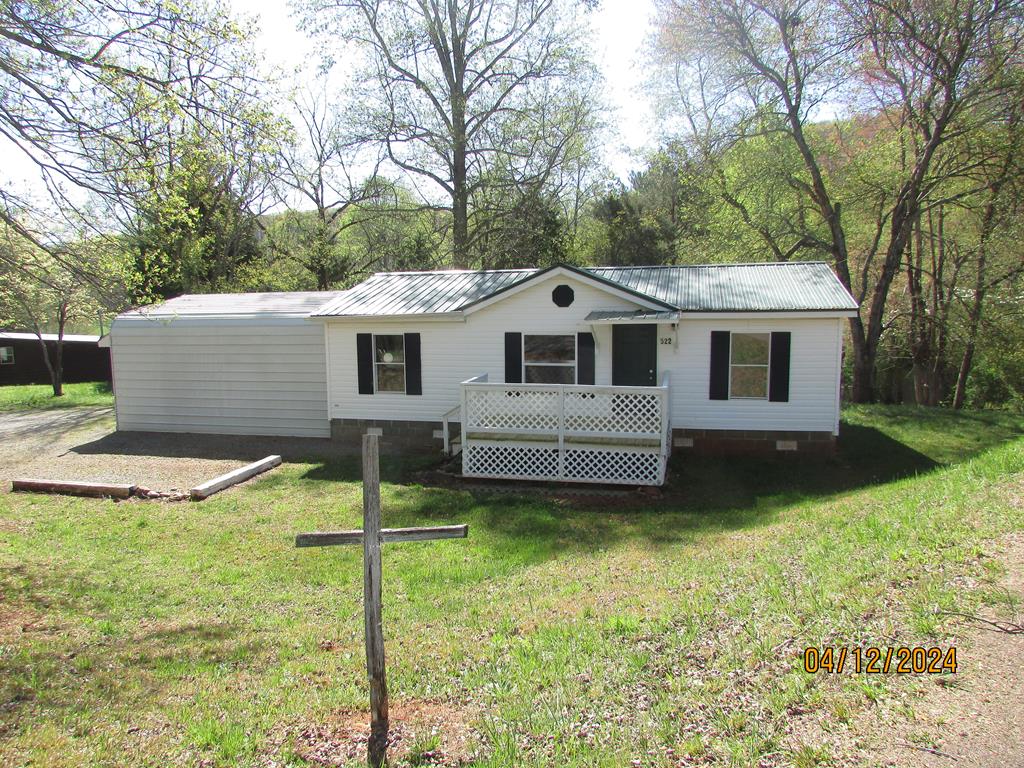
(563,296)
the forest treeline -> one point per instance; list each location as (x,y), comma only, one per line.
(880,136)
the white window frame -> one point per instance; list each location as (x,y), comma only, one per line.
(405,376)
(767,365)
(575,357)
(10,360)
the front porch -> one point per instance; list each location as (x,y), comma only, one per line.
(562,432)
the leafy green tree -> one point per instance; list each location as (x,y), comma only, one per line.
(530,230)
(456,91)
(632,236)
(193,235)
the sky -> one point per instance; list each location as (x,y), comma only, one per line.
(621,28)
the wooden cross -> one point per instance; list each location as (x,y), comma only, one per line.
(371,537)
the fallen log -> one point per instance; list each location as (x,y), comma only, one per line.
(73,488)
(233,477)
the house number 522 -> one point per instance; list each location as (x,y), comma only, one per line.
(666,339)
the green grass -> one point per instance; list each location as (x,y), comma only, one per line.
(566,633)
(19,397)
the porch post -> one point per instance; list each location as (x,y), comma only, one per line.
(463,426)
(561,431)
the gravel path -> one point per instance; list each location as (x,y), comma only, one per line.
(81,444)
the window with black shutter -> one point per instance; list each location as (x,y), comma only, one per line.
(750,366)
(389,363)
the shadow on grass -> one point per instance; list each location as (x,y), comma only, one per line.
(705,494)
(57,667)
(865,457)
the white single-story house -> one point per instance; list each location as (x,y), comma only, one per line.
(564,373)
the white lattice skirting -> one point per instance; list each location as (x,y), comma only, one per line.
(580,463)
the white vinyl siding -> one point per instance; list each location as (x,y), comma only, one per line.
(262,376)
(453,351)
(813,375)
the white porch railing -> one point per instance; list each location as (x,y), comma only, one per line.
(572,433)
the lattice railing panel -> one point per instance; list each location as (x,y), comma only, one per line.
(507,459)
(510,408)
(610,413)
(611,465)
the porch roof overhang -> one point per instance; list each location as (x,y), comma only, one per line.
(617,316)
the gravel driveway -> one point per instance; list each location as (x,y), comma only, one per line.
(81,444)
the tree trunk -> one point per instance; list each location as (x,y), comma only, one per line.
(57,370)
(977,303)
(918,341)
(962,375)
(863,388)
(460,191)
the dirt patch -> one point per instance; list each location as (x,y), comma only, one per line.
(16,621)
(971,719)
(422,733)
(978,719)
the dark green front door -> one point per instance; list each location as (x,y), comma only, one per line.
(635,355)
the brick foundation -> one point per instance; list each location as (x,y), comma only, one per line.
(735,441)
(396,437)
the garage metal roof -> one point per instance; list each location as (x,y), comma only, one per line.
(765,287)
(294,303)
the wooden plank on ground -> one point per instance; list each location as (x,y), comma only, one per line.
(233,477)
(73,488)
(328,538)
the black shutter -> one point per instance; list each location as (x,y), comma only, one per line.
(364,360)
(585,362)
(719,383)
(778,376)
(513,358)
(413,367)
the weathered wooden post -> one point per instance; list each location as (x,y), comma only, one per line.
(371,537)
(376,750)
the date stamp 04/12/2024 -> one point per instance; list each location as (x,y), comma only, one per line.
(875,660)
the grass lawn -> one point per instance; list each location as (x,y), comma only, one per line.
(667,632)
(18,397)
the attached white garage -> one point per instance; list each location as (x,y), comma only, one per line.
(235,364)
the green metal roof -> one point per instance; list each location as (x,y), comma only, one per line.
(765,287)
